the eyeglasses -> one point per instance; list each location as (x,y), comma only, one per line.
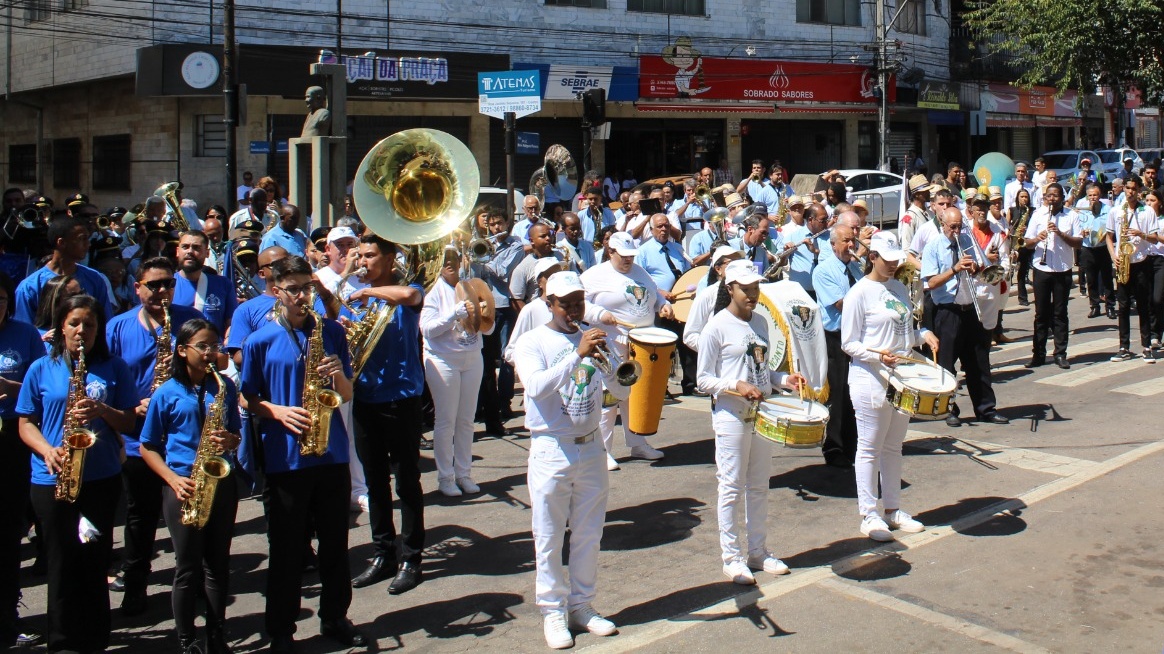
(159,284)
(295,291)
(207,348)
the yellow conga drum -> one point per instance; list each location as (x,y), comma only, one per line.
(654,349)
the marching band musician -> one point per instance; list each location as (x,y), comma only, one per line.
(704,302)
(78,599)
(170,440)
(301,487)
(665,261)
(1095,259)
(877,315)
(286,233)
(1155,200)
(69,238)
(496,394)
(522,284)
(733,358)
(804,244)
(1142,232)
(532,209)
(452,366)
(832,280)
(1053,233)
(388,392)
(948,266)
(595,216)
(133,337)
(536,312)
(1018,218)
(714,235)
(623,288)
(252,315)
(199,287)
(568,486)
(578,251)
(752,240)
(916,214)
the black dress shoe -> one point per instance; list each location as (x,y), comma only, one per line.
(343,632)
(216,642)
(1024,303)
(496,429)
(953,421)
(407,578)
(1035,363)
(995,418)
(282,645)
(378,570)
(118,584)
(1111,313)
(1094,313)
(1062,362)
(134,602)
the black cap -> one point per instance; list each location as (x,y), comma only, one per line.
(157,227)
(105,244)
(246,246)
(318,235)
(42,201)
(251,225)
(76,200)
(115,213)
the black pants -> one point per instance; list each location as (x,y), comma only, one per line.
(841,433)
(14,474)
(1051,291)
(1157,299)
(1139,288)
(202,559)
(687,356)
(963,338)
(1024,272)
(1096,265)
(143,509)
(388,434)
(323,493)
(497,377)
(78,593)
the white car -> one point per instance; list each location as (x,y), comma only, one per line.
(1065,163)
(1112,161)
(880,190)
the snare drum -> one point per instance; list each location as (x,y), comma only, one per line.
(792,422)
(924,391)
(653,348)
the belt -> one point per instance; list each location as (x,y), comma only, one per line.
(953,306)
(580,440)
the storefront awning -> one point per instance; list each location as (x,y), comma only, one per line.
(1058,121)
(1009,120)
(825,109)
(702,107)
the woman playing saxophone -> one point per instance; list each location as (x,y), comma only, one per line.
(192,418)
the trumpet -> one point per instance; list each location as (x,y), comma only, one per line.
(608,361)
(481,250)
(964,278)
(704,196)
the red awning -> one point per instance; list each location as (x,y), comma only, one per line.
(827,109)
(702,107)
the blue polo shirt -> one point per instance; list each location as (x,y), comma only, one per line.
(293,242)
(940,255)
(701,244)
(831,284)
(20,345)
(173,422)
(249,317)
(653,258)
(42,398)
(28,292)
(803,260)
(220,300)
(394,370)
(273,369)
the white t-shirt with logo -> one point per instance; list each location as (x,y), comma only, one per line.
(877,316)
(732,350)
(632,298)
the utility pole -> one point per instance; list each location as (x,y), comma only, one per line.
(882,87)
(230,96)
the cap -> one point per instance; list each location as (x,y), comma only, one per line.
(76,200)
(624,244)
(1085,160)
(319,235)
(341,232)
(861,204)
(1083,204)
(995,193)
(887,246)
(42,201)
(544,264)
(724,251)
(105,244)
(741,272)
(250,225)
(919,184)
(1128,157)
(734,200)
(561,284)
(157,227)
(115,213)
(246,246)
(796,200)
(757,209)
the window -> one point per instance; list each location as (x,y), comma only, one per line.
(913,18)
(22,164)
(111,162)
(209,136)
(832,12)
(73,5)
(678,7)
(594,4)
(37,10)
(67,163)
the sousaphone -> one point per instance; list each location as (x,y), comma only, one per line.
(558,172)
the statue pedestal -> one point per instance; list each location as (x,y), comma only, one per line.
(326,157)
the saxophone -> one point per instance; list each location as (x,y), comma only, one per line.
(318,400)
(209,464)
(162,368)
(76,437)
(1017,243)
(1126,250)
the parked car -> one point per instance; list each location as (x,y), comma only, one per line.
(1065,163)
(1112,161)
(1148,156)
(880,190)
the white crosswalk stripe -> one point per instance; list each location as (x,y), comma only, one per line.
(1146,388)
(1073,378)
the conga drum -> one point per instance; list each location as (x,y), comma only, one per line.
(654,349)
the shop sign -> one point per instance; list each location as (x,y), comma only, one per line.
(1037,101)
(933,94)
(528,143)
(509,91)
(569,82)
(681,71)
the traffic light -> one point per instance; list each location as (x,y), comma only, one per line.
(594,106)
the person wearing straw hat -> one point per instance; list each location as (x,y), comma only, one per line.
(916,215)
(733,367)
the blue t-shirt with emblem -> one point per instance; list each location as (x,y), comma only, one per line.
(42,398)
(20,345)
(394,369)
(28,292)
(220,301)
(173,422)
(273,369)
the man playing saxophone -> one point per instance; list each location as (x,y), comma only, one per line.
(1131,228)
(196,412)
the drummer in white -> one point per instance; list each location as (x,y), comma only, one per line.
(877,316)
(733,366)
(701,307)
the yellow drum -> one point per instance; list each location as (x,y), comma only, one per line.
(653,348)
(922,391)
(792,422)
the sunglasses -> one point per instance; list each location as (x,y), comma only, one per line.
(159,284)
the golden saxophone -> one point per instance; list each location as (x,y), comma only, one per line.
(209,464)
(318,400)
(162,368)
(1126,250)
(76,437)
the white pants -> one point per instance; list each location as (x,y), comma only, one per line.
(743,464)
(606,426)
(568,485)
(454,381)
(880,432)
(359,486)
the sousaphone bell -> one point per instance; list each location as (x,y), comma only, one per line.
(558,172)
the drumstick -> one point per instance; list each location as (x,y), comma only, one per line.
(623,323)
(766,400)
(899,356)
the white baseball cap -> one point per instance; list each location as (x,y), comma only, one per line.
(886,245)
(341,232)
(741,272)
(544,264)
(624,244)
(724,251)
(561,284)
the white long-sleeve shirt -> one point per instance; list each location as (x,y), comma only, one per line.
(732,350)
(877,315)
(698,314)
(563,392)
(440,323)
(536,313)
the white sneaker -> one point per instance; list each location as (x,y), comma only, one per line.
(467,485)
(874,527)
(739,573)
(611,464)
(768,563)
(448,488)
(585,618)
(903,521)
(557,633)
(646,452)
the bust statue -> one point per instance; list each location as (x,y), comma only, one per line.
(318,121)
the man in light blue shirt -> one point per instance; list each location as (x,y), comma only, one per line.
(805,241)
(497,389)
(754,183)
(578,250)
(595,216)
(287,234)
(663,260)
(832,279)
(533,213)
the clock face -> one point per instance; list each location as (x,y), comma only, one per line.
(200,69)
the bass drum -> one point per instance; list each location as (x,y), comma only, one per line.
(777,352)
(654,349)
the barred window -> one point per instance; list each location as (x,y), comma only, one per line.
(37,10)
(913,18)
(209,136)
(677,7)
(830,12)
(67,163)
(111,162)
(22,164)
